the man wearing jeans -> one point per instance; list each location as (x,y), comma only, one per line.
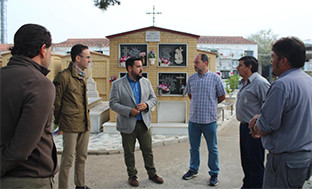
(205,90)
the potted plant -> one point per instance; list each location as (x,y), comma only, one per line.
(163,88)
(122,60)
(231,84)
(151,57)
(164,62)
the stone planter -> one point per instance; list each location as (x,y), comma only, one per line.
(152,60)
(161,92)
(230,100)
(122,64)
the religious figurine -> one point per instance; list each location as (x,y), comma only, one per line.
(178,56)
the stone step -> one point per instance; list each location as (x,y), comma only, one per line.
(156,128)
(98,115)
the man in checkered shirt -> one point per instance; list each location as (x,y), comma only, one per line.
(205,90)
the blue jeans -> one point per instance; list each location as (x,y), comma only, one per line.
(210,133)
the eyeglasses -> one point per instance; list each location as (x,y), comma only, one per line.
(88,57)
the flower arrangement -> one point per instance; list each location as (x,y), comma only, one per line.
(151,54)
(113,78)
(142,54)
(163,87)
(124,58)
(164,61)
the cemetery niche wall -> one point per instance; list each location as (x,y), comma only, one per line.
(171,83)
(131,50)
(172,55)
(178,49)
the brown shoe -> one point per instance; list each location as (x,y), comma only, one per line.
(157,179)
(133,181)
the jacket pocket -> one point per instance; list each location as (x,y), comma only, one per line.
(69,110)
(297,172)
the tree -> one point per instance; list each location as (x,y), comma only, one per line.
(264,39)
(103,4)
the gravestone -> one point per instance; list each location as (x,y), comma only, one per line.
(99,110)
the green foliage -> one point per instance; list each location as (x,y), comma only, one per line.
(264,39)
(309,73)
(231,84)
(103,4)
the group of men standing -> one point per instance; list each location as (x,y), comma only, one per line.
(277,117)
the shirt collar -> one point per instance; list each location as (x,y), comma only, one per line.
(130,80)
(288,71)
(204,75)
(252,77)
(80,72)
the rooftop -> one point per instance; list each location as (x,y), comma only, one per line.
(223,40)
(5,47)
(90,42)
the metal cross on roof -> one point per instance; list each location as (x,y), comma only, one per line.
(153,13)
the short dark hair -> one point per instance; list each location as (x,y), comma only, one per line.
(29,39)
(76,51)
(204,58)
(130,61)
(293,49)
(250,60)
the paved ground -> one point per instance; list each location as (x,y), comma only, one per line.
(109,171)
(171,160)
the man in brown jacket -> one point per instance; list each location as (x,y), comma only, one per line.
(72,115)
(27,150)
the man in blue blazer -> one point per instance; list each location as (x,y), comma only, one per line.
(133,97)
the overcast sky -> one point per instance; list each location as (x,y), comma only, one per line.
(81,19)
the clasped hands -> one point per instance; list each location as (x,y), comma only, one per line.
(254,129)
(140,107)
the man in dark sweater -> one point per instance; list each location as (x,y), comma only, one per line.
(27,150)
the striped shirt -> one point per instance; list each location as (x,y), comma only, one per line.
(205,91)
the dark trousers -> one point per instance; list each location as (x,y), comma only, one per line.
(252,158)
(287,170)
(145,140)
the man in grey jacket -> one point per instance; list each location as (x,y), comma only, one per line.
(133,97)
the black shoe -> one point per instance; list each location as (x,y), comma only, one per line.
(83,187)
(190,174)
(214,180)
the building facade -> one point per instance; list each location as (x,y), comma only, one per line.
(229,49)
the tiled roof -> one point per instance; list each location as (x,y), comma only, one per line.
(223,40)
(5,47)
(90,42)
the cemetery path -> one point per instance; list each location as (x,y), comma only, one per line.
(172,161)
